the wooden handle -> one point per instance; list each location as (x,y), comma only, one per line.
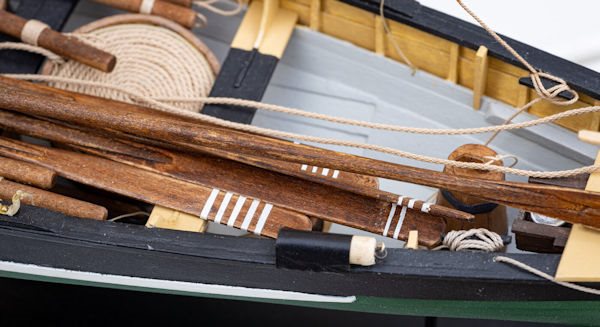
(64,46)
(26,173)
(52,201)
(575,206)
(179,14)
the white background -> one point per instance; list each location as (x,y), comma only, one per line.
(568,29)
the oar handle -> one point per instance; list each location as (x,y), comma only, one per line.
(39,34)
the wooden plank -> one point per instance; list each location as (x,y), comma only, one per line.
(480,76)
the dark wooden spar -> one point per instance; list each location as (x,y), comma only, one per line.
(571,205)
(310,198)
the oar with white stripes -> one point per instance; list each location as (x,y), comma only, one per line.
(313,199)
(228,208)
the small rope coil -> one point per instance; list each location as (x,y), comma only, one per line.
(31,31)
(472,239)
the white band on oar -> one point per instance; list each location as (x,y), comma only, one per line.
(146,7)
(31,31)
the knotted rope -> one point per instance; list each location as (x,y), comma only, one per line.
(472,239)
(550,94)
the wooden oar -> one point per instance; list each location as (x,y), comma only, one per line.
(213,204)
(575,206)
(182,15)
(313,199)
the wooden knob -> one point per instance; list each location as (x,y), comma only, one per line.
(179,14)
(36,33)
(493,219)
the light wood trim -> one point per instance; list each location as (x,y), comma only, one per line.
(480,76)
(162,217)
(315,15)
(454,59)
(379,36)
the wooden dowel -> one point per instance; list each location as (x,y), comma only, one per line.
(179,14)
(26,173)
(60,44)
(253,215)
(575,206)
(313,199)
(52,201)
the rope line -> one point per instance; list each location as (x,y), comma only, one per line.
(544,275)
(388,33)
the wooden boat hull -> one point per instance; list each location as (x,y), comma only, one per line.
(41,246)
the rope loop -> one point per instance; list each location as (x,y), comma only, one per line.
(552,93)
(473,239)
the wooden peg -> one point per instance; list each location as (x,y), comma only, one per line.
(413,240)
(52,201)
(179,14)
(315,15)
(380,36)
(480,76)
(492,218)
(36,33)
(26,173)
(454,60)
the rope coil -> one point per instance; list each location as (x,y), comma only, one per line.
(472,239)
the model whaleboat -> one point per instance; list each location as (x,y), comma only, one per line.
(146,153)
